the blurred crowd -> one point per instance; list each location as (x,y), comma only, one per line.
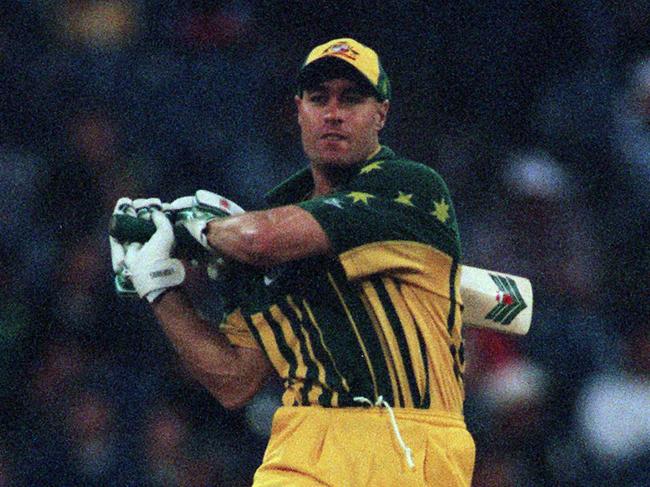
(537,114)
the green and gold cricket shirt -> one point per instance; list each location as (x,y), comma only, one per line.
(381,317)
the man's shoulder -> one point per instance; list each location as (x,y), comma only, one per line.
(406,165)
(397,168)
(392,160)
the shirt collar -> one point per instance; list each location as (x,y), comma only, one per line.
(301,183)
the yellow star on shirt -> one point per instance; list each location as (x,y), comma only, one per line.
(359,196)
(441,211)
(404,199)
(371,167)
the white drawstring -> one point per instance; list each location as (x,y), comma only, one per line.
(408,453)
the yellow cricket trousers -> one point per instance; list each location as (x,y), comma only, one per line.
(356,447)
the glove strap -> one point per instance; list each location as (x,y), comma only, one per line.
(160,275)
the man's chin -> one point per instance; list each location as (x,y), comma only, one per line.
(334,158)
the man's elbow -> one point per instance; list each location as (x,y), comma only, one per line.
(232,404)
(232,398)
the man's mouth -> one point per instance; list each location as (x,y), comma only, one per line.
(333,136)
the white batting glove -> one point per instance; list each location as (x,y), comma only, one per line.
(123,285)
(144,206)
(206,207)
(150,266)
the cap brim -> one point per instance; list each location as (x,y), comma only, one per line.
(328,68)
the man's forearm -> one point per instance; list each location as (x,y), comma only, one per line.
(232,374)
(267,238)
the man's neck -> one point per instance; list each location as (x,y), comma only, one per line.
(328,177)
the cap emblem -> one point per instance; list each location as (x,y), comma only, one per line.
(341,49)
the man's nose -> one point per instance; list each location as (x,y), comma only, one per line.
(333,112)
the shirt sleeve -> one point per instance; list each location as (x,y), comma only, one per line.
(236,330)
(394,215)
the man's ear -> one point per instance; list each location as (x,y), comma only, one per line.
(382,113)
(298,102)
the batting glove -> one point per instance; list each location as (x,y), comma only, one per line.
(150,266)
(190,216)
(206,207)
(123,285)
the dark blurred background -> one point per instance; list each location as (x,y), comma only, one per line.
(537,114)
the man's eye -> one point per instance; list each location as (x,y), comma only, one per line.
(352,99)
(317,98)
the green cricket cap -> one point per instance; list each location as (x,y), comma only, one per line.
(345,57)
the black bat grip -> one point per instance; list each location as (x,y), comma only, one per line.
(126,228)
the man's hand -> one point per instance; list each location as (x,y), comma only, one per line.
(206,206)
(123,285)
(150,266)
(193,217)
(189,216)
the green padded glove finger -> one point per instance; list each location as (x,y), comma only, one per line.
(124,287)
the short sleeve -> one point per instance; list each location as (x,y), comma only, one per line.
(236,330)
(395,217)
(389,201)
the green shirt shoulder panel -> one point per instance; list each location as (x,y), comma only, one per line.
(387,200)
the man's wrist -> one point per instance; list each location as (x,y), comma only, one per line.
(155,297)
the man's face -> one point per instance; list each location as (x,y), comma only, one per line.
(339,122)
